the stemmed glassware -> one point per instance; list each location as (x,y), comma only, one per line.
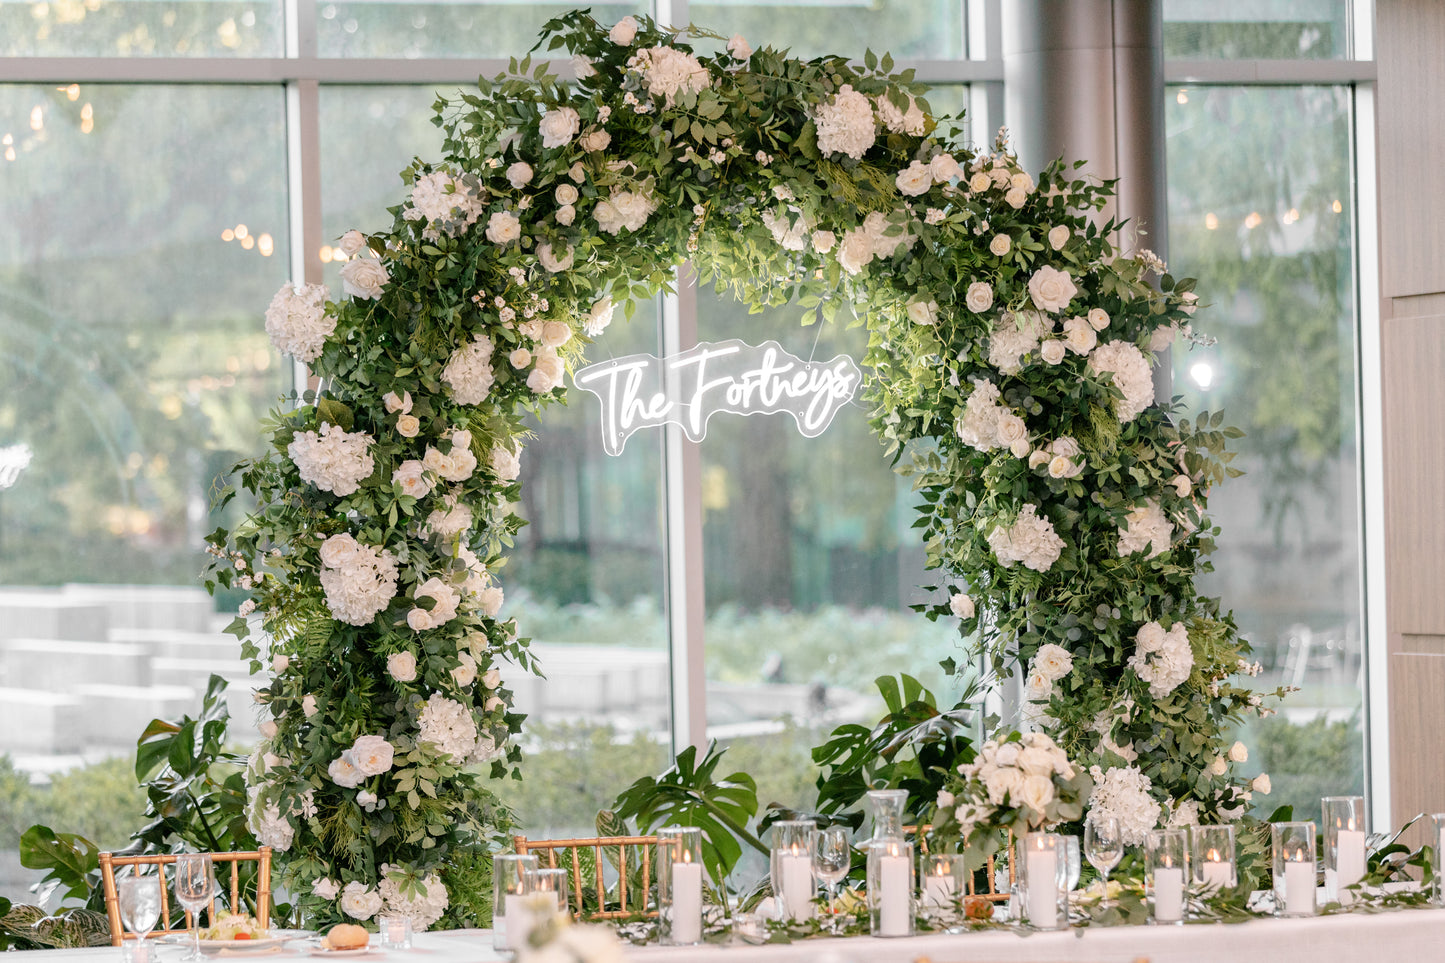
(195,885)
(140,906)
(1103,846)
(832,858)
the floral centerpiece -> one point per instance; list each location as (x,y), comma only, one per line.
(1021,783)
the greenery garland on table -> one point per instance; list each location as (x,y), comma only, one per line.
(1010,343)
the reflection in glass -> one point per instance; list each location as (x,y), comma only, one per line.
(923,29)
(362,28)
(141,28)
(1267,228)
(1253,30)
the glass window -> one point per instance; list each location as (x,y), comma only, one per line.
(1267,228)
(1256,29)
(374,28)
(141,28)
(917,29)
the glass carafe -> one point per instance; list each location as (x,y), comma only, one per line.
(887,807)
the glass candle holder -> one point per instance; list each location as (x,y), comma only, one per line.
(792,868)
(1043,903)
(679,884)
(941,883)
(1293,846)
(890,887)
(1212,857)
(551,880)
(1167,855)
(394,929)
(1069,865)
(511,883)
(1344,825)
(1437,837)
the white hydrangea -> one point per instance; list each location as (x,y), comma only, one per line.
(445,203)
(444,609)
(297,322)
(359,580)
(423,910)
(668,71)
(1123,793)
(624,209)
(1146,526)
(448,727)
(791,234)
(468,372)
(845,124)
(335,460)
(1162,659)
(978,428)
(451,519)
(1030,540)
(912,121)
(1014,337)
(1131,376)
(267,824)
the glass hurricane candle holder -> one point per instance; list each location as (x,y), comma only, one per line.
(890,887)
(679,884)
(1293,846)
(1344,825)
(941,885)
(792,868)
(1044,901)
(1167,855)
(394,930)
(511,884)
(1212,858)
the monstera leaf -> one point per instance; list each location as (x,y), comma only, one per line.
(688,794)
(71,861)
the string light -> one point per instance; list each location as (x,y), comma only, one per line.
(1182,97)
(1253,220)
(266,245)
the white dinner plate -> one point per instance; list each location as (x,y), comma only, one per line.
(266,945)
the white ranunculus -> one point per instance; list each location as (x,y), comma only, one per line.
(344,773)
(408,426)
(979,297)
(1051,289)
(923,312)
(1261,784)
(961,605)
(1000,245)
(1239,752)
(1052,351)
(623,32)
(914,180)
(325,888)
(364,277)
(1059,236)
(565,194)
(503,227)
(372,755)
(352,243)
(550,261)
(401,666)
(558,126)
(359,902)
(411,477)
(739,48)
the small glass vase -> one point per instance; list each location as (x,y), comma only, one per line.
(511,919)
(1212,859)
(1044,903)
(1167,854)
(679,884)
(1345,831)
(890,887)
(792,868)
(1293,848)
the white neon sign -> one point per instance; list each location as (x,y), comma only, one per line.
(643,391)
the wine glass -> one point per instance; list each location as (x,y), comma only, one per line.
(1103,846)
(832,858)
(140,906)
(195,884)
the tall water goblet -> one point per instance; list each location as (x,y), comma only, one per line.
(140,907)
(195,885)
(832,858)
(1103,847)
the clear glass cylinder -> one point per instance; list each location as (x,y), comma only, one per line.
(1167,862)
(1045,904)
(1212,859)
(887,806)
(511,884)
(890,887)
(552,881)
(941,884)
(1345,832)
(1293,847)
(680,884)
(792,868)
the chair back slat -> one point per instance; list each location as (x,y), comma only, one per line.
(109,863)
(628,901)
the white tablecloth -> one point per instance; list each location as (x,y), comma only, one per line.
(1407,936)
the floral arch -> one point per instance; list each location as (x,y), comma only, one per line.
(1010,346)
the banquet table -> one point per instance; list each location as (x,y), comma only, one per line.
(1407,936)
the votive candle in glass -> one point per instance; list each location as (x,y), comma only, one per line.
(890,887)
(1042,853)
(1167,852)
(1212,857)
(679,884)
(1344,822)
(942,882)
(511,885)
(792,868)
(1293,846)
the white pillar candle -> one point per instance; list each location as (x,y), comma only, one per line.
(939,890)
(1349,862)
(1042,866)
(1299,887)
(1215,873)
(1168,894)
(686,902)
(796,871)
(893,908)
(516,921)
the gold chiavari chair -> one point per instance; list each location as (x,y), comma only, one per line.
(586,860)
(109,863)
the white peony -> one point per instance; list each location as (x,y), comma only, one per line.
(333,460)
(845,124)
(503,227)
(558,126)
(1130,369)
(297,322)
(448,727)
(363,277)
(1051,290)
(359,902)
(468,372)
(372,755)
(856,250)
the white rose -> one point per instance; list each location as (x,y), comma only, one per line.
(1051,289)
(325,888)
(550,261)
(1020,448)
(372,755)
(351,243)
(565,194)
(555,334)
(279,663)
(520,358)
(1022,181)
(402,665)
(519,174)
(1036,760)
(979,182)
(1001,783)
(1098,319)
(1038,687)
(505,465)
(961,605)
(503,228)
(1060,466)
(1037,792)
(1189,306)
(914,180)
(363,277)
(945,799)
(1011,427)
(1059,236)
(418,620)
(923,312)
(823,241)
(395,404)
(558,127)
(979,297)
(308,706)
(1007,754)
(489,601)
(408,425)
(466,671)
(1054,661)
(1219,766)
(1079,335)
(343,772)
(1053,351)
(410,475)
(360,903)
(1000,245)
(577,172)
(1261,783)
(739,48)
(594,140)
(582,67)
(623,32)
(1016,198)
(944,168)
(566,214)
(856,251)
(492,678)
(1239,752)
(268,729)
(1039,457)
(1182,485)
